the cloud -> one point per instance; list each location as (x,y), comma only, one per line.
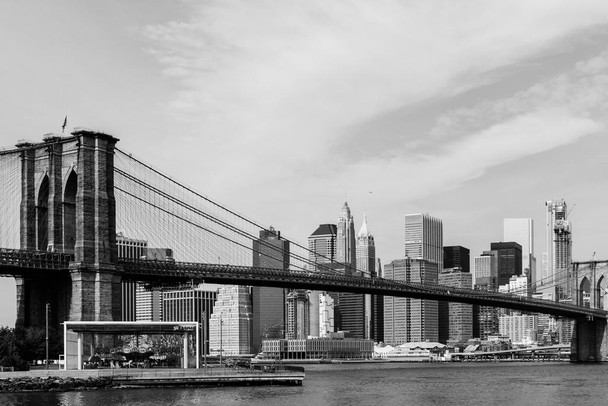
(273,88)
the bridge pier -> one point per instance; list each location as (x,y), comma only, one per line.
(34,293)
(589,341)
(95,295)
(68,205)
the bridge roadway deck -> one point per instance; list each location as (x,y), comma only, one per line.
(21,263)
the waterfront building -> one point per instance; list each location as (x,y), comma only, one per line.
(457,257)
(298,317)
(329,348)
(557,270)
(408,319)
(520,328)
(268,303)
(508,260)
(521,230)
(455,319)
(230,323)
(191,304)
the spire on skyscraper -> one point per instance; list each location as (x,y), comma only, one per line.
(363,231)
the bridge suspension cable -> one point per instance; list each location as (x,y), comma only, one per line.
(182,217)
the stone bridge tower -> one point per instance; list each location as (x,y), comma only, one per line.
(68,205)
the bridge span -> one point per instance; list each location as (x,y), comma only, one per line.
(25,263)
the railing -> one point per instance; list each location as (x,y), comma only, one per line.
(35,259)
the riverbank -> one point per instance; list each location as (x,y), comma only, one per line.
(60,381)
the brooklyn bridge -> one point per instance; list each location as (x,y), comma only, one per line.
(64,200)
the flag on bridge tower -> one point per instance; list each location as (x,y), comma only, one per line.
(65,122)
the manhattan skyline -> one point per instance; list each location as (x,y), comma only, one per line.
(470,113)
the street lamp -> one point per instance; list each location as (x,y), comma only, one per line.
(221,340)
(204,322)
(47,335)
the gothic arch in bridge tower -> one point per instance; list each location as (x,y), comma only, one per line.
(601,293)
(584,292)
(42,215)
(69,212)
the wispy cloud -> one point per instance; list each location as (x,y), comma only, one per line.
(283,82)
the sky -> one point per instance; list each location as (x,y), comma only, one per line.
(471,111)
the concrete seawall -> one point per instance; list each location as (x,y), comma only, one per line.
(113,378)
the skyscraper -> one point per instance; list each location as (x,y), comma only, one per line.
(407,319)
(149,302)
(508,256)
(345,239)
(230,323)
(557,270)
(521,230)
(424,238)
(131,249)
(322,247)
(321,257)
(455,319)
(268,304)
(366,265)
(298,318)
(457,257)
(485,318)
(350,307)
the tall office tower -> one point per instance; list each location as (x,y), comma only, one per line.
(521,230)
(424,259)
(130,249)
(268,304)
(558,268)
(349,309)
(424,238)
(298,318)
(345,239)
(326,315)
(194,304)
(366,265)
(455,319)
(230,323)
(378,310)
(457,257)
(485,318)
(322,257)
(406,319)
(322,248)
(508,260)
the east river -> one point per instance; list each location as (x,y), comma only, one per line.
(556,383)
